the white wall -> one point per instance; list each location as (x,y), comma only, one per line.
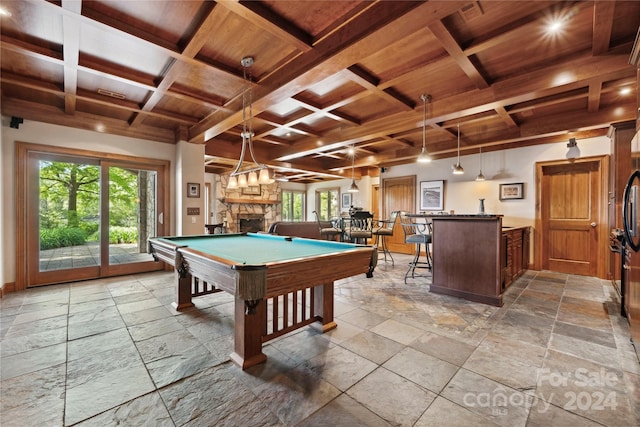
(42,133)
(462,192)
(189,169)
(361,199)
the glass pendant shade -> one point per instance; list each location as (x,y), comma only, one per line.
(242,181)
(354,187)
(264,176)
(252,179)
(233,183)
(424,157)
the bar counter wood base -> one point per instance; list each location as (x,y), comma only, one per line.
(467,261)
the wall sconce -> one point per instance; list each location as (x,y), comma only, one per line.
(574,151)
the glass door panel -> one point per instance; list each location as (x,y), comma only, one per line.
(86,217)
(132,214)
(66,235)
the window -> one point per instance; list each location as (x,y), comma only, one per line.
(293,205)
(327,203)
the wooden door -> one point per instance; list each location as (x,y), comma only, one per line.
(375,202)
(398,194)
(572,231)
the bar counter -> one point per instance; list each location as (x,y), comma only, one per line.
(468,256)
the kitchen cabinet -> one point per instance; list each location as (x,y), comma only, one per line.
(516,253)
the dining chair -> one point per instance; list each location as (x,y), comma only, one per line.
(359,227)
(214,228)
(384,230)
(328,233)
(418,233)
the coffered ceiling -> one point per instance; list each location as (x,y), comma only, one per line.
(327,75)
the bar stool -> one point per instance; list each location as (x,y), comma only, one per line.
(418,233)
(384,230)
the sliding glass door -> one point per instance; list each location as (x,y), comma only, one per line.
(87,217)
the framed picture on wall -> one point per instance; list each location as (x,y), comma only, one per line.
(346,200)
(253,190)
(431,195)
(193,189)
(512,191)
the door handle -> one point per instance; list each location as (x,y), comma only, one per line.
(593,224)
(161,218)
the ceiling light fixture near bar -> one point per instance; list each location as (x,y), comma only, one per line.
(354,187)
(424,157)
(480,176)
(457,168)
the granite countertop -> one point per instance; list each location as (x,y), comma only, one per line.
(455,216)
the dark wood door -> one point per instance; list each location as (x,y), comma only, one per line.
(572,217)
(398,194)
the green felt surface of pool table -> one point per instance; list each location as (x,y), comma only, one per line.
(257,249)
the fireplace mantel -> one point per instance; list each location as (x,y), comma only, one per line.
(250,201)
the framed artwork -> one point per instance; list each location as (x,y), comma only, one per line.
(512,191)
(431,195)
(346,200)
(253,190)
(193,189)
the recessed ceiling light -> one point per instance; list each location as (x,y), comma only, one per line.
(555,26)
(625,90)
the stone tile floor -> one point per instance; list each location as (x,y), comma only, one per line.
(113,352)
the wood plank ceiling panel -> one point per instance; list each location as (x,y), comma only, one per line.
(327,74)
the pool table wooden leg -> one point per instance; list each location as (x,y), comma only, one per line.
(249,330)
(323,307)
(183,291)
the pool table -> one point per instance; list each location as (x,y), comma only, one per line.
(280,283)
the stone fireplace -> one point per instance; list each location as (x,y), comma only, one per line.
(240,211)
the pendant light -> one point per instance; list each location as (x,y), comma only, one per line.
(480,176)
(424,157)
(259,173)
(457,168)
(353,188)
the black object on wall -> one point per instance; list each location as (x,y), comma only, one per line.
(16,122)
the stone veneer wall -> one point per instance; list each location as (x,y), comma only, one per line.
(235,202)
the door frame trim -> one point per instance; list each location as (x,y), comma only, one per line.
(22,150)
(603,212)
